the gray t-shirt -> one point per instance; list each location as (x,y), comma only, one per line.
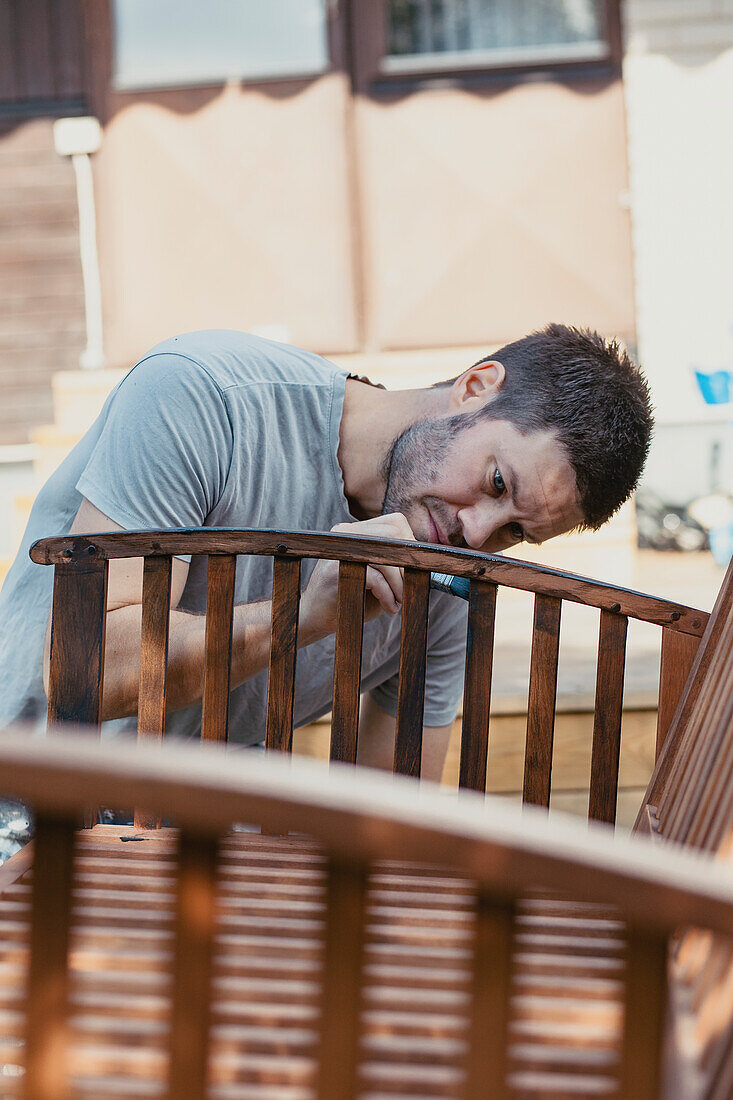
(218,429)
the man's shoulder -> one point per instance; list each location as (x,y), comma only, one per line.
(238,359)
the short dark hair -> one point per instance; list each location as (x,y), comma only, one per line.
(588,390)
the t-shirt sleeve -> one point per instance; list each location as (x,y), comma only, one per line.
(164,452)
(445,664)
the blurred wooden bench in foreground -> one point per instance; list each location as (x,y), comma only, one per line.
(410,943)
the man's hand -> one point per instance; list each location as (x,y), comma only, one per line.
(383,582)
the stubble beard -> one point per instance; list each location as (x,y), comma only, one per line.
(415,459)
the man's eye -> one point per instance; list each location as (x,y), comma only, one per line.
(517,532)
(499,481)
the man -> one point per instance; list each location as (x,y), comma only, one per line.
(226,430)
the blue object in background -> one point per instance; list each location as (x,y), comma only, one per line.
(721,544)
(716,388)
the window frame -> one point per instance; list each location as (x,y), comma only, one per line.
(126,86)
(369,36)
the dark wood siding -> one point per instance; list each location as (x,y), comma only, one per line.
(41,53)
(41,294)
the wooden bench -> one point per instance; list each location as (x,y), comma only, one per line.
(77,644)
(393,952)
(515,959)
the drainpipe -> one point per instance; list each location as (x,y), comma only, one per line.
(78,138)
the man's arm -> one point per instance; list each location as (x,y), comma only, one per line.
(377,741)
(251,625)
(184,684)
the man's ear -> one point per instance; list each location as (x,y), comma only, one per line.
(477,385)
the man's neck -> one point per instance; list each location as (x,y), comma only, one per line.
(372,419)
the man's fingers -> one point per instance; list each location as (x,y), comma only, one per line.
(382,589)
(392,526)
(385,582)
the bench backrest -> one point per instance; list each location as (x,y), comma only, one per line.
(691,791)
(77,644)
(689,802)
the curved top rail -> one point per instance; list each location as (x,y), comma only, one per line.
(75,549)
(369,816)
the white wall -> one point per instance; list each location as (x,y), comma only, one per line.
(678,75)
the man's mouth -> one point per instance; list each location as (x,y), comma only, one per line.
(434,531)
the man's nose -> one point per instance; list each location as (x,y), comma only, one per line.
(478,523)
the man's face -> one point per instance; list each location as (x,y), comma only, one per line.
(486,487)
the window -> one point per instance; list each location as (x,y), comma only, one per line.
(421,36)
(174,43)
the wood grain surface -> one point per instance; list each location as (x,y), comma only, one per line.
(77,643)
(713,654)
(156,599)
(283,652)
(411,686)
(542,698)
(340,1002)
(604,768)
(488,1037)
(462,563)
(678,655)
(192,972)
(477,685)
(218,646)
(646,1003)
(496,844)
(694,738)
(347,661)
(46,1021)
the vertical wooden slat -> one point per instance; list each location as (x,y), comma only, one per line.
(341,991)
(477,686)
(411,689)
(153,661)
(283,651)
(646,996)
(678,654)
(77,643)
(154,646)
(486,1068)
(191,1003)
(347,665)
(46,1052)
(607,717)
(541,702)
(218,660)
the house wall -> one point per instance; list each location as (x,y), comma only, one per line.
(226,208)
(678,77)
(41,295)
(505,209)
(41,299)
(357,220)
(346,217)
